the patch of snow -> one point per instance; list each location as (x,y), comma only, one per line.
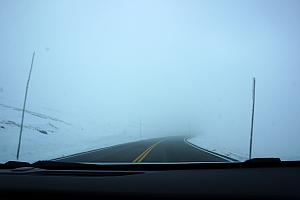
(46,137)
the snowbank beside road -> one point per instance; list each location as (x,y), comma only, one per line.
(46,137)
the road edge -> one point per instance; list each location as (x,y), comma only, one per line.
(210,152)
(93,150)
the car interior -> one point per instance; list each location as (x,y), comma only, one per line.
(260,178)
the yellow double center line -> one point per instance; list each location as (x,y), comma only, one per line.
(143,155)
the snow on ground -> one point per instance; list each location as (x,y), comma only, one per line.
(46,137)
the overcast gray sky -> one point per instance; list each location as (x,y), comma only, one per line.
(165,62)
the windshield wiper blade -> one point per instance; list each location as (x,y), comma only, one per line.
(252,163)
(261,162)
(45,164)
(14,164)
(56,165)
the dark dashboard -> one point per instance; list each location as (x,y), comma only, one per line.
(256,179)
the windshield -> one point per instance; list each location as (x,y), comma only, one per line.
(149,81)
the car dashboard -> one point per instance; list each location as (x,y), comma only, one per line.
(249,180)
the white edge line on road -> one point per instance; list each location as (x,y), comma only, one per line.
(210,152)
(82,153)
(90,151)
(185,140)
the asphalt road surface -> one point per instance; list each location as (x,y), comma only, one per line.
(170,149)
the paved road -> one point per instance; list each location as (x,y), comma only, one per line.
(171,149)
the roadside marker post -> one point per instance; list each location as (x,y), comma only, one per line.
(252,117)
(24,105)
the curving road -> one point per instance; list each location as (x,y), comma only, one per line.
(170,149)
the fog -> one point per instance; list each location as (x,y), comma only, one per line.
(175,67)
